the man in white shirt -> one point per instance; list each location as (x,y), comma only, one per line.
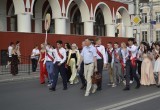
(49,59)
(131,64)
(10,48)
(117,67)
(59,66)
(34,58)
(109,62)
(101,59)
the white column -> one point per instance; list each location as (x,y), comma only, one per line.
(123,31)
(129,31)
(110,28)
(60,26)
(38,26)
(88,28)
(24,23)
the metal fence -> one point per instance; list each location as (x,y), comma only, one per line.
(23,67)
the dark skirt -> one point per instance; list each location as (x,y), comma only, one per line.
(14,65)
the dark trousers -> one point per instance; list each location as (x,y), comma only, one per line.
(34,65)
(68,73)
(139,67)
(59,69)
(81,74)
(131,70)
(100,70)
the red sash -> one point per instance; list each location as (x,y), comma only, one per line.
(133,60)
(99,53)
(110,52)
(122,64)
(50,57)
(59,54)
(120,60)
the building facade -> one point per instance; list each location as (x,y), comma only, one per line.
(150,21)
(77,17)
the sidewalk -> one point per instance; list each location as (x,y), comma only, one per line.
(20,76)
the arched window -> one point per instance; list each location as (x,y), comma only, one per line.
(99,27)
(77,26)
(12,18)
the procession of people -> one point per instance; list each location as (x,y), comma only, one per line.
(125,63)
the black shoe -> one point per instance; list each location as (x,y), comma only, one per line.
(138,86)
(65,88)
(126,89)
(83,87)
(158,86)
(52,89)
(99,89)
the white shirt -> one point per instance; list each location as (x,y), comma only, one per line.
(50,52)
(88,53)
(133,50)
(34,53)
(62,51)
(101,49)
(10,51)
(125,54)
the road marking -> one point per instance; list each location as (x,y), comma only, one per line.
(21,78)
(131,102)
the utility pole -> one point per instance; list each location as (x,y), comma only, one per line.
(151,21)
(137,12)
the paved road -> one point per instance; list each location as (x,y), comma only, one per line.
(30,95)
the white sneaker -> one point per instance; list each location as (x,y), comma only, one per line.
(124,82)
(6,66)
(71,83)
(86,94)
(114,85)
(76,82)
(94,90)
(131,82)
(49,85)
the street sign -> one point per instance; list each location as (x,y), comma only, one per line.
(47,25)
(136,20)
(47,21)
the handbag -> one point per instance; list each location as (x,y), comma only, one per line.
(96,78)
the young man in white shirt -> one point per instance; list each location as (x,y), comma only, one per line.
(49,60)
(34,58)
(131,64)
(59,66)
(101,59)
(117,67)
(10,54)
(109,62)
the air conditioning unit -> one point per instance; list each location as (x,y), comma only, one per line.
(143,1)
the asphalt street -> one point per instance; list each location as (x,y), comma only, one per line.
(30,95)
